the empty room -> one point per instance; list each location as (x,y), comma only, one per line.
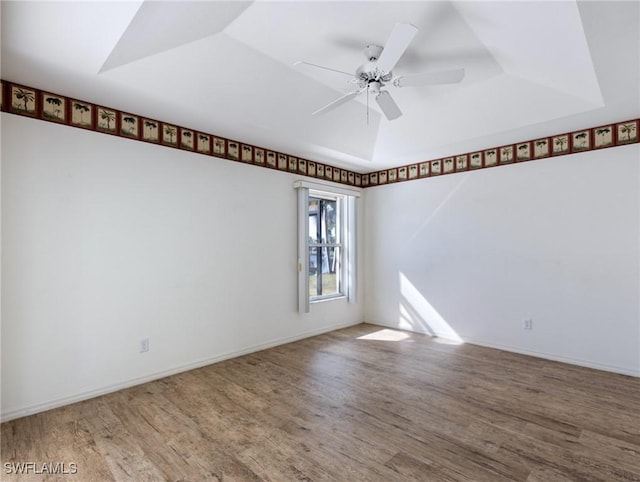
(320,240)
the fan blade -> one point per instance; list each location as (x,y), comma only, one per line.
(399,40)
(302,62)
(338,102)
(429,78)
(388,106)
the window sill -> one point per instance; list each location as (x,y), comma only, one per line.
(327,298)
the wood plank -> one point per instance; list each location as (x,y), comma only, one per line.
(344,406)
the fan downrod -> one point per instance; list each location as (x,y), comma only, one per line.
(372,52)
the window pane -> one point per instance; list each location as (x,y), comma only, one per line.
(324,271)
(314,220)
(331,271)
(314,262)
(322,221)
(329,227)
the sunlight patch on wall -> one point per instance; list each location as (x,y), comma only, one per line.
(420,315)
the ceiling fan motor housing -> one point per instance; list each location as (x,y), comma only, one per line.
(368,74)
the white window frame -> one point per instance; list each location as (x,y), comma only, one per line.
(340,243)
(347,213)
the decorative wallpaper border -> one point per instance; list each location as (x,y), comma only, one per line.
(610,135)
(31,102)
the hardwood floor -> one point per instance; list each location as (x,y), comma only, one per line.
(340,407)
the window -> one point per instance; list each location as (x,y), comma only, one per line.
(326,243)
(325,246)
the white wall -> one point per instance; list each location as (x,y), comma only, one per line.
(474,254)
(107,241)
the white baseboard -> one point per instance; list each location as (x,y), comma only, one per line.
(539,354)
(79,397)
(559,358)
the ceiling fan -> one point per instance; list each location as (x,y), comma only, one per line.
(374,74)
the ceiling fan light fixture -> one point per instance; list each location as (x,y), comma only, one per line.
(377,71)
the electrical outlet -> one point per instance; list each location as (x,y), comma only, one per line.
(144,345)
(527,324)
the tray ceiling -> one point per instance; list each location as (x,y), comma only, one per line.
(533,69)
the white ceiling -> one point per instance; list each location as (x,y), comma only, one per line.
(532,69)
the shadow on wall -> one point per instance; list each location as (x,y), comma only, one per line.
(417,314)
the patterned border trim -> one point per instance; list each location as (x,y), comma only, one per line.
(39,104)
(31,102)
(610,135)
